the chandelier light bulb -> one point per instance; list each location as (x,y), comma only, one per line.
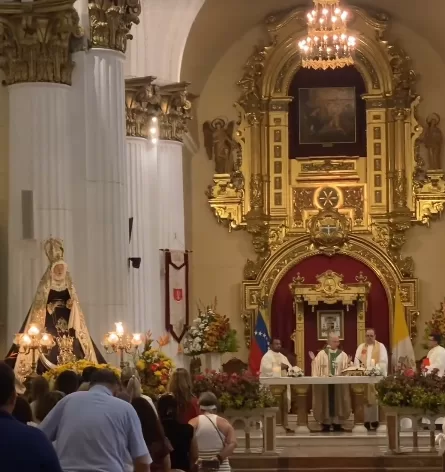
(119,328)
(154,119)
(153,130)
(26,340)
(113,338)
(154,140)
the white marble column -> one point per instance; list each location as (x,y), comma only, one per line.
(101,216)
(144,294)
(40,202)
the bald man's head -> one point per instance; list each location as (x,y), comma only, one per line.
(333,340)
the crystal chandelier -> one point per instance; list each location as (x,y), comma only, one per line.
(328,45)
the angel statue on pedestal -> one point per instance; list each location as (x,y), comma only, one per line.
(56,310)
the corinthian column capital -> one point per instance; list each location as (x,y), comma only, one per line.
(142,104)
(35,41)
(111,21)
(175,111)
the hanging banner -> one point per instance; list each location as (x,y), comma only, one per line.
(176,294)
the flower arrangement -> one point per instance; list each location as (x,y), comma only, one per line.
(154,366)
(210,332)
(436,325)
(234,391)
(78,367)
(295,372)
(409,389)
(375,371)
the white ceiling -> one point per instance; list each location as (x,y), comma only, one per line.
(222,22)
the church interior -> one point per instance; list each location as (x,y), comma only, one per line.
(194,157)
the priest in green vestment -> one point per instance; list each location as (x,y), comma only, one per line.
(331,404)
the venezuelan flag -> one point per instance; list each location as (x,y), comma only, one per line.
(402,348)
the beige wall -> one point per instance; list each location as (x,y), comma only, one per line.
(4,139)
(219,257)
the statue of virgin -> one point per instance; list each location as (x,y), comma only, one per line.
(56,310)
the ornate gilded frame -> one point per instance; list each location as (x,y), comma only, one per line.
(277,199)
(329,289)
(259,293)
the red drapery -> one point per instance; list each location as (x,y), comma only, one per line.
(283,318)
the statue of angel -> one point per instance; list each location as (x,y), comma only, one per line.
(220,145)
(433,139)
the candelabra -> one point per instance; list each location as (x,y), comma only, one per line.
(35,341)
(119,342)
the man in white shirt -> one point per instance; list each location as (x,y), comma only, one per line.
(370,354)
(275,360)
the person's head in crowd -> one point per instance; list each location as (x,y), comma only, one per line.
(106,378)
(88,373)
(8,395)
(124,395)
(22,410)
(39,388)
(208,402)
(168,407)
(151,426)
(180,386)
(47,403)
(67,382)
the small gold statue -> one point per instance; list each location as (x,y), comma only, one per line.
(220,145)
(432,139)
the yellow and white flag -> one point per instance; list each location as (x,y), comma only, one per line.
(402,347)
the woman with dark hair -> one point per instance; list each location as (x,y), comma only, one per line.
(155,439)
(67,382)
(22,411)
(215,435)
(181,436)
(180,386)
(46,404)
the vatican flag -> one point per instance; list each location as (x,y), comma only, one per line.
(402,348)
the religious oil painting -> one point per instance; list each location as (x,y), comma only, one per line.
(327,115)
(330,321)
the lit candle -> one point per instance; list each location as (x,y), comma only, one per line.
(113,338)
(372,363)
(119,328)
(276,371)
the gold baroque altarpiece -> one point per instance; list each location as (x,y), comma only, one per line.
(357,206)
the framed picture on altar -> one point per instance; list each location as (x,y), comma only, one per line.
(330,321)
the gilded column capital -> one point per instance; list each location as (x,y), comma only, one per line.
(111,21)
(35,40)
(175,111)
(142,103)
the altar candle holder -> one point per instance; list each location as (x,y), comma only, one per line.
(120,343)
(276,371)
(34,341)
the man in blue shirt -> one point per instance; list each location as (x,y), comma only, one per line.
(94,431)
(22,448)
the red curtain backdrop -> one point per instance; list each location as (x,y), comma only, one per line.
(283,318)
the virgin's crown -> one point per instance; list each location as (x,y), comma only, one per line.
(54,249)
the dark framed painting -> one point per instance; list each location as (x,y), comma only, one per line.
(330,321)
(328,115)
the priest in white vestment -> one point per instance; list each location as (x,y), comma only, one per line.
(435,364)
(331,404)
(371,354)
(276,362)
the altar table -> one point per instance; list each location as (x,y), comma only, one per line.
(300,385)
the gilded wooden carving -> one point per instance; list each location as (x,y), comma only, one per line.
(373,199)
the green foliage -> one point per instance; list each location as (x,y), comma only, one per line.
(412,390)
